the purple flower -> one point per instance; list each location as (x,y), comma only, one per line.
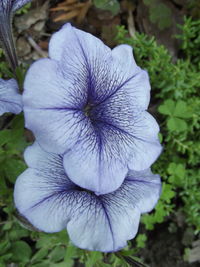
(88,103)
(7,9)
(46,197)
(10,99)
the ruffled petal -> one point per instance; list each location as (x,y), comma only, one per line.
(39,190)
(48,199)
(48,88)
(86,58)
(113,147)
(131,136)
(134,132)
(76,46)
(106,71)
(115,218)
(145,144)
(98,168)
(57,130)
(121,76)
(137,90)
(124,55)
(104,224)
(10,99)
(148,188)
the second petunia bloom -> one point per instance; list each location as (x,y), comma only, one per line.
(88,103)
(46,197)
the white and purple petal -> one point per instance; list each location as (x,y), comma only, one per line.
(98,168)
(46,197)
(10,99)
(88,103)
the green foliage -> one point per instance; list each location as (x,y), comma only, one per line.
(24,9)
(190,39)
(159,13)
(177,113)
(3,65)
(175,86)
(109,5)
(141,240)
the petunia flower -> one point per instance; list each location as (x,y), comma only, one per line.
(51,202)
(7,9)
(89,103)
(10,99)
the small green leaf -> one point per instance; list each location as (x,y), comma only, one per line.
(110,5)
(21,251)
(181,110)
(4,246)
(39,255)
(176,169)
(93,257)
(13,168)
(161,15)
(5,136)
(167,108)
(71,254)
(57,254)
(141,240)
(167,192)
(176,124)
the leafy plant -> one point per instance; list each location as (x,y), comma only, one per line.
(175,86)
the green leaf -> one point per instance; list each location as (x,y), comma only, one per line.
(181,110)
(45,263)
(4,246)
(176,124)
(141,240)
(167,108)
(93,257)
(177,172)
(167,192)
(57,254)
(39,255)
(5,258)
(21,251)
(5,136)
(16,233)
(13,168)
(7,226)
(161,15)
(159,213)
(176,169)
(149,221)
(71,254)
(110,5)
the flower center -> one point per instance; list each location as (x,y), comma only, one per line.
(78,188)
(87,110)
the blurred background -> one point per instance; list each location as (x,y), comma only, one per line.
(165,36)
